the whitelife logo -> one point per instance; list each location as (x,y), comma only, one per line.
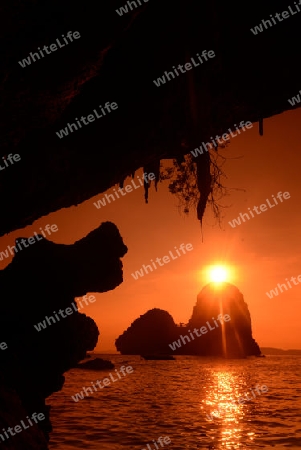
(81,395)
(31,240)
(263,207)
(216,140)
(203,330)
(124,9)
(165,259)
(18,428)
(11,158)
(274,292)
(161,440)
(83,119)
(53,48)
(42,325)
(284,14)
(128,188)
(295,100)
(187,66)
(222,409)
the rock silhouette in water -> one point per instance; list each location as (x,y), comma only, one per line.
(41,280)
(150,333)
(229,339)
(155,330)
(95,364)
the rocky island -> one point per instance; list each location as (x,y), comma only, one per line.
(220,326)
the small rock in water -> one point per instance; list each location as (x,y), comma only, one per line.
(96,364)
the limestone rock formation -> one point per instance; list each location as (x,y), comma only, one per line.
(150,333)
(230,339)
(155,331)
(40,281)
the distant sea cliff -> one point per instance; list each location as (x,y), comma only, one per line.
(279,351)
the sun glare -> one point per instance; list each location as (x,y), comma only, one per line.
(218,274)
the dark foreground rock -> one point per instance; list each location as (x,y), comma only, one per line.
(41,280)
(156,333)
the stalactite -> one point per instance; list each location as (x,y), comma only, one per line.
(153,167)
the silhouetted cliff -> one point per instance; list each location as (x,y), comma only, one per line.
(42,280)
(232,338)
(220,325)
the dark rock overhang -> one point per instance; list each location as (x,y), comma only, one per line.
(116,60)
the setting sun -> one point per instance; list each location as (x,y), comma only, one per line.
(218,274)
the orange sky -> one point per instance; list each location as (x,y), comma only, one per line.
(264,250)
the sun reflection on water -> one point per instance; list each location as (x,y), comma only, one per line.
(224,415)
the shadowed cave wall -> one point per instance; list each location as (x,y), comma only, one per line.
(116,59)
